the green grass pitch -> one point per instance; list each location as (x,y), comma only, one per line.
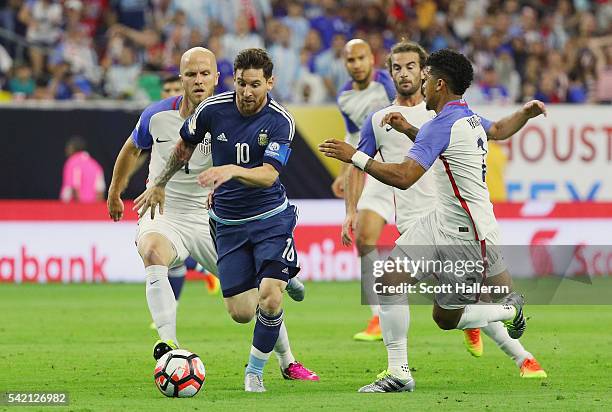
(93,341)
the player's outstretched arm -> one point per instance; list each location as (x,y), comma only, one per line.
(155,195)
(400,175)
(125,165)
(506,127)
(262,176)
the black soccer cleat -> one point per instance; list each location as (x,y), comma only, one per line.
(162,347)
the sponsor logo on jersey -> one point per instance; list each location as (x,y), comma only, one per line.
(274,147)
(222,137)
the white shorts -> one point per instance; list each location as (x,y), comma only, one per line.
(189,234)
(377,197)
(426,242)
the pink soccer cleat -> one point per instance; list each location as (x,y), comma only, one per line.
(297,371)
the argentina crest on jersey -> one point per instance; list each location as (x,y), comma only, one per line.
(205,146)
(262,138)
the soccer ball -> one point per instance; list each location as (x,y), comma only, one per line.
(179,374)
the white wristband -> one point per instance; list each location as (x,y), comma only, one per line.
(360,159)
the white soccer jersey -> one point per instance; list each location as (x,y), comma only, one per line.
(356,105)
(458,138)
(158,129)
(393,146)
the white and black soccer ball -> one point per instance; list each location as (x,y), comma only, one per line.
(179,374)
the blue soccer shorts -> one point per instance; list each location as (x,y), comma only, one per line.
(249,252)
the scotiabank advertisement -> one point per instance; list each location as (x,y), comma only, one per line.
(48,242)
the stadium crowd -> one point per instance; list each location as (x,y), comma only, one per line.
(555,51)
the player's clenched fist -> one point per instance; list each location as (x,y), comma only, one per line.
(115,207)
(397,121)
(337,149)
(151,198)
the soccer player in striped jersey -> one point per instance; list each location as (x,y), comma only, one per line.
(462,227)
(250,136)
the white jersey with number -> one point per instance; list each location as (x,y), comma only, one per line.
(458,138)
(392,146)
(158,129)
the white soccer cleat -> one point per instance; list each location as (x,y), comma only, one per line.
(253,383)
(296,289)
(385,382)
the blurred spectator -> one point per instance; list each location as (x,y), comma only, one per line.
(602,49)
(198,13)
(547,90)
(555,48)
(130,13)
(253,12)
(298,23)
(83,178)
(492,90)
(75,48)
(42,92)
(43,19)
(329,23)
(330,66)
(309,87)
(225,67)
(243,39)
(22,84)
(6,62)
(66,85)
(121,79)
(286,64)
(172,87)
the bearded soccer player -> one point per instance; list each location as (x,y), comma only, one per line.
(250,135)
(182,227)
(461,228)
(405,65)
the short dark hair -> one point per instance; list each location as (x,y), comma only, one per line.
(405,46)
(254,59)
(453,67)
(77,142)
(171,78)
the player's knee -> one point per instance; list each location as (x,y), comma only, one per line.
(444,322)
(151,255)
(364,242)
(241,315)
(270,303)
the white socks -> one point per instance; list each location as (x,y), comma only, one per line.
(282,349)
(512,347)
(394,321)
(161,301)
(478,316)
(367,280)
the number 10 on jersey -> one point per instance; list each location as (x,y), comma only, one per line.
(242,153)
